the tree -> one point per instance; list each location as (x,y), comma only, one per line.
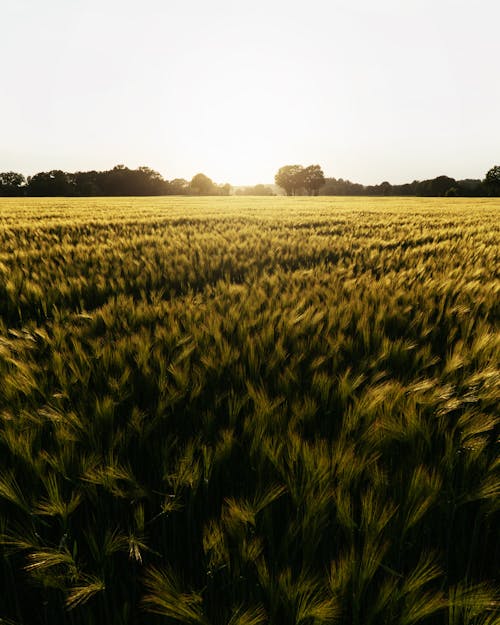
(313,178)
(493,175)
(290,178)
(435,187)
(178,186)
(51,184)
(149,181)
(385,188)
(86,183)
(202,185)
(492,181)
(124,181)
(11,183)
(115,181)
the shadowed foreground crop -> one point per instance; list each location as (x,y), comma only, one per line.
(232,411)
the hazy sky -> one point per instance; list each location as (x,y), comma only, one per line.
(371,90)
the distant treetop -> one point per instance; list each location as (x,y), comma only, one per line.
(297,180)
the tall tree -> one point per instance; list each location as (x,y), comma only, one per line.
(385,188)
(11,183)
(87,183)
(492,181)
(313,178)
(202,185)
(493,175)
(50,184)
(290,178)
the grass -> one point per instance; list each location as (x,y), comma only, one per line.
(245,411)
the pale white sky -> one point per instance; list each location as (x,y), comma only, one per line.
(371,90)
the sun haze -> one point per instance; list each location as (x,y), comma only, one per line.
(372,91)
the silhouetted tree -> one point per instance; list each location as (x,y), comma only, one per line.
(436,187)
(492,181)
(493,175)
(291,179)
(202,185)
(87,183)
(124,181)
(149,182)
(52,183)
(313,178)
(385,188)
(178,186)
(11,184)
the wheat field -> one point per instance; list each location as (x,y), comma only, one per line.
(244,411)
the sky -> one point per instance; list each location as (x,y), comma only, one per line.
(391,90)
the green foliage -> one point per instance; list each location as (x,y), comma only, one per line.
(493,175)
(290,178)
(234,411)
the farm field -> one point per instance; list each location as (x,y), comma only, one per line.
(246,411)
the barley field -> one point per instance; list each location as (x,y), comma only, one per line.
(244,411)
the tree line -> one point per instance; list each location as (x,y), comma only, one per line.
(293,179)
(299,180)
(117,181)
